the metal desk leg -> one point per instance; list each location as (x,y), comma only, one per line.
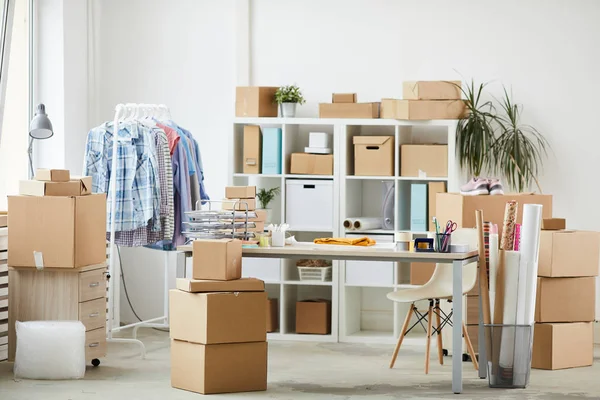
(482,345)
(457,338)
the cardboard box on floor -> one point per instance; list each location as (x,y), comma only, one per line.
(559,346)
(424,160)
(432,190)
(343,98)
(272,315)
(219,368)
(312,164)
(569,254)
(431,90)
(373,155)
(349,110)
(218,259)
(422,109)
(255,101)
(240,192)
(565,300)
(420,273)
(461,209)
(52,175)
(67,232)
(313,316)
(74,187)
(252,150)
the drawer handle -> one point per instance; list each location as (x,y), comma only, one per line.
(94,284)
(94,315)
(95,344)
(309,186)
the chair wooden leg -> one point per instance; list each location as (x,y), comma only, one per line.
(402,333)
(440,347)
(470,347)
(429,321)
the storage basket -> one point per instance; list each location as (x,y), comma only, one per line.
(322,274)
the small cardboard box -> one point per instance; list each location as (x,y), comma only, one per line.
(204,286)
(349,110)
(52,175)
(239,204)
(565,299)
(74,187)
(240,192)
(313,316)
(554,224)
(569,254)
(218,259)
(272,315)
(472,310)
(432,190)
(431,90)
(559,346)
(219,368)
(255,101)
(420,273)
(424,160)
(422,109)
(218,317)
(252,150)
(461,209)
(343,98)
(3,219)
(373,155)
(312,164)
(68,232)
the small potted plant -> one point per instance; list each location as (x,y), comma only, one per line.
(288,97)
(265,196)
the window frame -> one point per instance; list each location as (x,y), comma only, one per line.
(6,26)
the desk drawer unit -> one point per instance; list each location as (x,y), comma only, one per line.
(92,285)
(95,344)
(93,314)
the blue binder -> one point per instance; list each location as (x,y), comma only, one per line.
(418,207)
(271,150)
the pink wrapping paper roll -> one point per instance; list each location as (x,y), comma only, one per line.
(517,243)
(508,229)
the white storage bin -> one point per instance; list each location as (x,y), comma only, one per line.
(309,205)
(371,273)
(266,269)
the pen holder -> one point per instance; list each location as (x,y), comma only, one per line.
(277,239)
(443,242)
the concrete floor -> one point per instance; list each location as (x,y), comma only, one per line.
(301,371)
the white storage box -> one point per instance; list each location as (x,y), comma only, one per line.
(266,269)
(309,205)
(319,139)
(371,273)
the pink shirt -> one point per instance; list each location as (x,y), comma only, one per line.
(172,136)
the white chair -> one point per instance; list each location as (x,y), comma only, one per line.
(437,288)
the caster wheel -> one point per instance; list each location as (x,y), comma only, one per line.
(445,352)
(465,358)
(95,362)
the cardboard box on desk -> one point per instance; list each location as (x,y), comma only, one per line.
(349,110)
(569,254)
(424,160)
(461,209)
(565,299)
(431,90)
(422,109)
(74,187)
(559,346)
(65,232)
(255,101)
(219,259)
(312,164)
(52,175)
(313,316)
(373,155)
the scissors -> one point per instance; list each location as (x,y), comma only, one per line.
(450,227)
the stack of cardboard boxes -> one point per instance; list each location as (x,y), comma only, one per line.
(424,100)
(218,324)
(566,295)
(344,105)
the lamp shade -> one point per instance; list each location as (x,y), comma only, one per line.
(40,126)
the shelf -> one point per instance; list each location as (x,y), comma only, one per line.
(308,283)
(371,231)
(397,178)
(297,176)
(318,230)
(427,179)
(370,178)
(342,121)
(390,287)
(257,175)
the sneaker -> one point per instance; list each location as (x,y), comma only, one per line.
(475,187)
(495,187)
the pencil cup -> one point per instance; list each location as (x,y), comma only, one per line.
(277,239)
(443,241)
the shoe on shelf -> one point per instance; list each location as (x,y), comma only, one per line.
(495,186)
(475,187)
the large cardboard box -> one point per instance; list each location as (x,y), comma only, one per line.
(218,317)
(461,209)
(420,273)
(272,315)
(343,98)
(422,109)
(219,368)
(52,175)
(432,190)
(204,286)
(349,110)
(217,259)
(431,90)
(255,101)
(424,160)
(239,204)
(312,164)
(74,187)
(240,192)
(65,232)
(313,316)
(569,253)
(554,224)
(252,150)
(373,155)
(559,346)
(565,299)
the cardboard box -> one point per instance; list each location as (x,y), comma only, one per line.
(219,368)
(432,190)
(554,224)
(472,310)
(424,160)
(3,219)
(565,299)
(312,164)
(240,192)
(252,150)
(272,315)
(218,317)
(431,90)
(204,286)
(461,209)
(52,175)
(559,346)
(569,254)
(420,273)
(422,109)
(255,101)
(343,98)
(217,259)
(74,187)
(239,204)
(313,316)
(373,155)
(69,232)
(349,110)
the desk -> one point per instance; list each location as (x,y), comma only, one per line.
(385,252)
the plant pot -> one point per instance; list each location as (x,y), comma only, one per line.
(288,110)
(269,215)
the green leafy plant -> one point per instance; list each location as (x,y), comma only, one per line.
(289,94)
(266,196)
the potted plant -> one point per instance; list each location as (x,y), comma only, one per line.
(265,196)
(288,97)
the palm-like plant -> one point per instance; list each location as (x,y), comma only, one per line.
(266,196)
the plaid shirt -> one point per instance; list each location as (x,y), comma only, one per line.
(137,194)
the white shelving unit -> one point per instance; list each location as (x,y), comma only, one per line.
(360,310)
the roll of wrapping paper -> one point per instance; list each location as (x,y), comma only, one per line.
(349,223)
(493,269)
(362,223)
(486,240)
(517,243)
(508,227)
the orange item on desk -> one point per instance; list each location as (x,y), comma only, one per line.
(364,241)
